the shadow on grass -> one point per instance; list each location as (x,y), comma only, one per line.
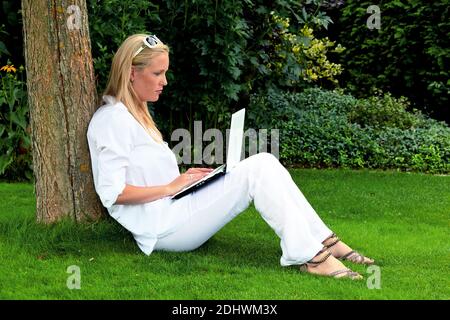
(249,251)
(66,238)
(225,253)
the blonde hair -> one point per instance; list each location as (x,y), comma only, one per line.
(120,86)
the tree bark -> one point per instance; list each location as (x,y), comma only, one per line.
(62,99)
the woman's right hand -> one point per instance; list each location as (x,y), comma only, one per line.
(185,179)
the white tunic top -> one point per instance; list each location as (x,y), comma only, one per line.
(122,152)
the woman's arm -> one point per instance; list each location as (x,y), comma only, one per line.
(138,195)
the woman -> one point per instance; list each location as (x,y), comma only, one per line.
(135,172)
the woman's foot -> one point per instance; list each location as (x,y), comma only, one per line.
(325,264)
(343,252)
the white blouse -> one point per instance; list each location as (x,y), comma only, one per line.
(122,152)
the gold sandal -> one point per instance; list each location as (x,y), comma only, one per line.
(352,256)
(343,273)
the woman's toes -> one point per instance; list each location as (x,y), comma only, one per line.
(356,257)
(346,273)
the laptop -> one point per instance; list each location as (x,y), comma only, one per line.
(233,156)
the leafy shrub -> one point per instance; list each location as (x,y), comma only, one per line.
(321,128)
(408,55)
(384,111)
(11,43)
(15,144)
(220,51)
(110,23)
(298,57)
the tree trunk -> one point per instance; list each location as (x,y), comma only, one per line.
(62,98)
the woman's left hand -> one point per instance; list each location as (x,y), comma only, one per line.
(189,177)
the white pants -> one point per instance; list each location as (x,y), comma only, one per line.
(276,197)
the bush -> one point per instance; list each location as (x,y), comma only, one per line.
(221,52)
(408,55)
(219,58)
(110,23)
(15,144)
(321,128)
(420,149)
(384,111)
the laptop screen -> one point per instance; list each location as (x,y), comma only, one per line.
(234,149)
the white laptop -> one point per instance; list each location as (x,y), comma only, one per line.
(233,155)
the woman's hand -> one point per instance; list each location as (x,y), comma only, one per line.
(189,177)
(137,195)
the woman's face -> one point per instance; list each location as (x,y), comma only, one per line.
(149,82)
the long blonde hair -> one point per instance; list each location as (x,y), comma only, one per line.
(120,86)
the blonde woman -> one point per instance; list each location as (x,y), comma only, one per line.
(135,173)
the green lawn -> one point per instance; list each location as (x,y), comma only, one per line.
(399,219)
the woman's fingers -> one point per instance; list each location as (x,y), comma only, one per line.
(199,170)
(189,177)
(195,174)
(205,169)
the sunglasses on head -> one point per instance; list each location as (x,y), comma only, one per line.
(150,42)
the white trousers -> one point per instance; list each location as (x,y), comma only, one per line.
(262,179)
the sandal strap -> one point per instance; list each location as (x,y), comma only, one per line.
(328,246)
(333,236)
(318,262)
(336,273)
(349,273)
(353,256)
(345,256)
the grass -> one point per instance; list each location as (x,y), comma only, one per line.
(400,219)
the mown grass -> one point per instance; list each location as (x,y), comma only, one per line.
(400,219)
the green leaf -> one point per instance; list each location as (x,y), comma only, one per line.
(3,49)
(20,121)
(5,161)
(304,14)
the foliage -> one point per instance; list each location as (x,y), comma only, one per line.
(3,50)
(218,58)
(110,23)
(221,51)
(11,33)
(300,55)
(408,56)
(321,128)
(15,144)
(231,54)
(384,111)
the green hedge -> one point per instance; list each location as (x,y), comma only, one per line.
(15,143)
(408,56)
(330,129)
